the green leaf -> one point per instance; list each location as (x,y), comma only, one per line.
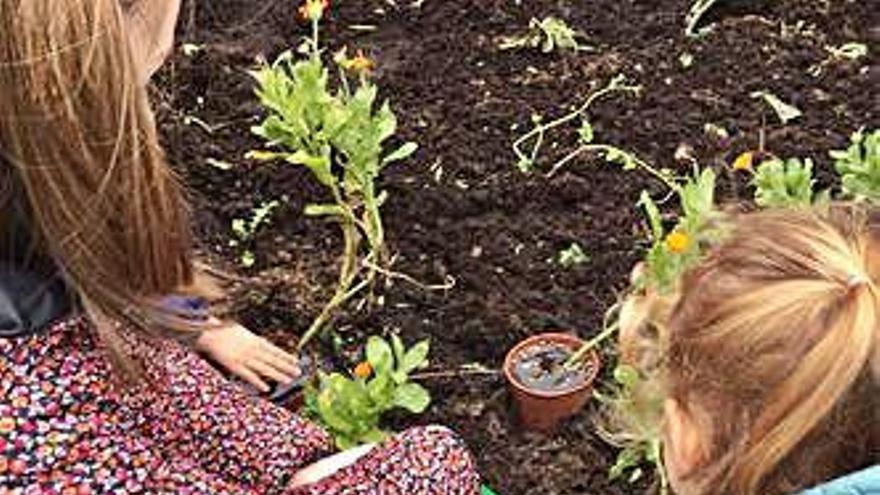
(381,390)
(654,217)
(412,397)
(401,153)
(586,132)
(324,210)
(784,111)
(416,357)
(626,376)
(379,355)
(398,347)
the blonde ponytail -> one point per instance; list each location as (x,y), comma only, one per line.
(775,333)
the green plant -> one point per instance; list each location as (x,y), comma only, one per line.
(339,136)
(673,252)
(859,166)
(550,33)
(573,255)
(634,409)
(351,408)
(244,230)
(784,183)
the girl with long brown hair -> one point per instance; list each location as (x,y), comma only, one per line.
(769,357)
(101,305)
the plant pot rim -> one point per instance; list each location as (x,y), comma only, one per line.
(555,337)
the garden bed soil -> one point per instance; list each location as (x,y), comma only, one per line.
(459,208)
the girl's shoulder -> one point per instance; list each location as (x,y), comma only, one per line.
(29,302)
(864,482)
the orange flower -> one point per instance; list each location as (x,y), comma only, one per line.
(360,64)
(363,370)
(313,10)
(678,242)
(744,161)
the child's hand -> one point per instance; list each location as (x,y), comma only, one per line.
(247,355)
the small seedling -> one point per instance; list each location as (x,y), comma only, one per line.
(573,256)
(784,183)
(859,166)
(351,407)
(786,112)
(245,229)
(550,34)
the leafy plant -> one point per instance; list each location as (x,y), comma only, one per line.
(573,255)
(673,252)
(351,408)
(784,183)
(634,410)
(550,33)
(339,136)
(244,230)
(859,166)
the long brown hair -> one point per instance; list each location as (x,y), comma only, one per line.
(773,338)
(81,162)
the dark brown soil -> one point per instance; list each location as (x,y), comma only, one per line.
(460,208)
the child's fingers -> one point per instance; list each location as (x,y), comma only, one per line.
(269,371)
(249,376)
(280,359)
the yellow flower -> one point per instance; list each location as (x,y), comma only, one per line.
(678,242)
(363,370)
(744,161)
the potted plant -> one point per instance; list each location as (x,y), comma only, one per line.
(551,377)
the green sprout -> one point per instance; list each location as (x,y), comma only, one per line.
(784,183)
(245,229)
(550,34)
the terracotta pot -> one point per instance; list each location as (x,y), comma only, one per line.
(543,410)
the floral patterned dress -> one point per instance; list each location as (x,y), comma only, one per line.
(68,427)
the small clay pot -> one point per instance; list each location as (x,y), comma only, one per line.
(542,410)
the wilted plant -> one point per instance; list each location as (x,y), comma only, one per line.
(351,408)
(339,136)
(527,147)
(859,166)
(550,33)
(244,230)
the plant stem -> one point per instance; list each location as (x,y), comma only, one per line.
(347,274)
(609,328)
(616,84)
(581,353)
(666,180)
